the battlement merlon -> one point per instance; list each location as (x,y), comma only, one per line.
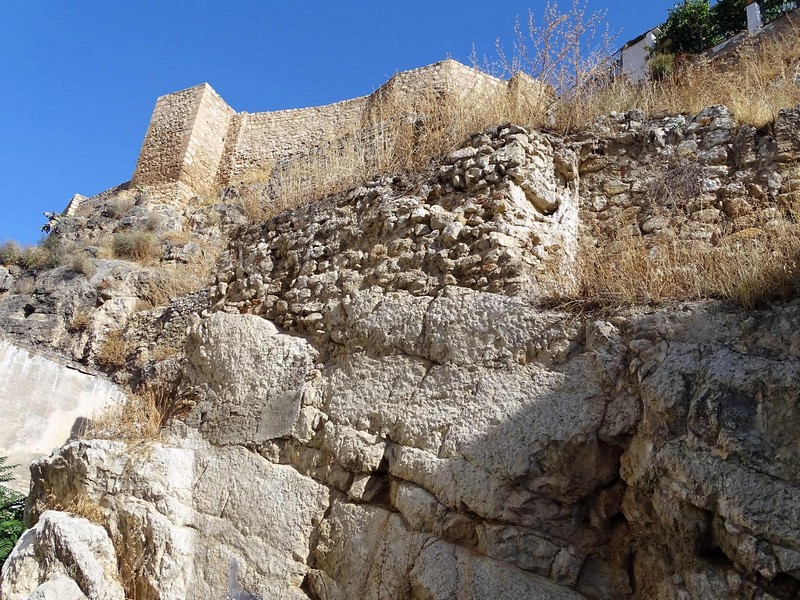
(195,141)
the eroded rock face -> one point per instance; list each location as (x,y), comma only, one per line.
(713,463)
(195,521)
(63,555)
(649,457)
(383,410)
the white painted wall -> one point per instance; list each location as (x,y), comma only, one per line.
(40,403)
(634,57)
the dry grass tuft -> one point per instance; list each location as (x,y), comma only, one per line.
(130,544)
(142,416)
(139,419)
(172,281)
(33,257)
(82,263)
(113,353)
(10,253)
(140,246)
(81,506)
(749,268)
(117,208)
(80,321)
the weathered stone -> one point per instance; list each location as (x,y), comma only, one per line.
(58,589)
(443,571)
(254,377)
(62,546)
(6,280)
(615,186)
(423,425)
(510,155)
(203,519)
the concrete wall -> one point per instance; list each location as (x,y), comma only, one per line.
(196,140)
(42,402)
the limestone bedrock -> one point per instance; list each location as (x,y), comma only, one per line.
(379,404)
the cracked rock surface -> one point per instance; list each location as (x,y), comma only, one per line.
(380,407)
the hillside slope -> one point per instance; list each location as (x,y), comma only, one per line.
(458,384)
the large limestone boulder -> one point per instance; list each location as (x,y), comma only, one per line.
(61,548)
(250,378)
(191,520)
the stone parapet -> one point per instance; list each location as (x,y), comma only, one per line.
(197,140)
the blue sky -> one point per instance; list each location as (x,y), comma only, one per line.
(79,79)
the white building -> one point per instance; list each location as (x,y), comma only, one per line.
(632,61)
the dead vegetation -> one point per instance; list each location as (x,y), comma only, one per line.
(136,420)
(80,321)
(749,267)
(131,546)
(571,53)
(113,352)
(78,505)
(755,82)
(403,133)
(135,245)
(171,281)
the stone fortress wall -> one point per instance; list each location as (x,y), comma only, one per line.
(195,141)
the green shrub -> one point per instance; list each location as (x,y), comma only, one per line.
(12,512)
(661,65)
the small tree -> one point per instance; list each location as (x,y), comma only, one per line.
(689,29)
(729,18)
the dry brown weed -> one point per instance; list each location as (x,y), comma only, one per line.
(113,352)
(749,268)
(403,133)
(138,419)
(79,505)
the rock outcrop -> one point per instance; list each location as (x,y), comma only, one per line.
(379,402)
(62,557)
